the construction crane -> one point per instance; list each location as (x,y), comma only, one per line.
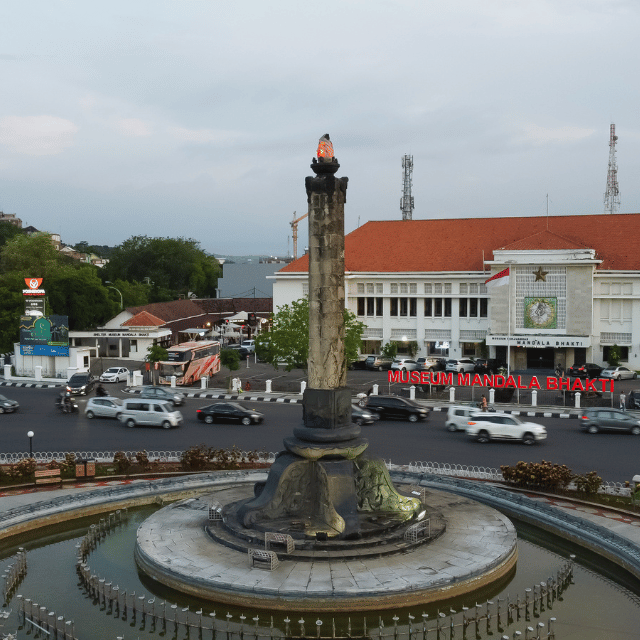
(294,232)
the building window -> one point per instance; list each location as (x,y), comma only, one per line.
(394,288)
(369,287)
(361,306)
(404,307)
(468,348)
(428,307)
(370,306)
(404,288)
(437,288)
(447,288)
(473,289)
(484,305)
(428,289)
(360,287)
(393,303)
(463,308)
(413,307)
(473,307)
(464,289)
(379,288)
(437,307)
(413,288)
(624,353)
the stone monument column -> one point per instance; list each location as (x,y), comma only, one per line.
(322,481)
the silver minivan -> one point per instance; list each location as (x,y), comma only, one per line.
(149,413)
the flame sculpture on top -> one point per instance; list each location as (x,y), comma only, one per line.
(325,148)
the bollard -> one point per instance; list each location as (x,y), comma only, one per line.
(452,394)
(492,396)
(534,398)
(412,393)
(303,386)
(375,390)
(267,386)
(577,399)
(173,382)
(204,381)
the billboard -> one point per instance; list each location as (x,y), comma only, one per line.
(44,335)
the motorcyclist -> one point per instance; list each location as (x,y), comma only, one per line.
(67,404)
(101,391)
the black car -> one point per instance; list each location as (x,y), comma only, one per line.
(595,420)
(633,399)
(481,366)
(229,412)
(242,352)
(586,370)
(7,405)
(398,408)
(362,416)
(80,384)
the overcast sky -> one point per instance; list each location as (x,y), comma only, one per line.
(200,118)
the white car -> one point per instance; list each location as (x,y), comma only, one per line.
(458,417)
(463,365)
(501,426)
(403,364)
(618,373)
(115,374)
(103,407)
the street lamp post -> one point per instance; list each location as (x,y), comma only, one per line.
(511,277)
(30,435)
(118,290)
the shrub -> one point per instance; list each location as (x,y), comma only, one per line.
(122,462)
(22,469)
(543,475)
(195,458)
(143,460)
(588,483)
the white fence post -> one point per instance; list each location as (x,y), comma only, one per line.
(577,399)
(375,390)
(204,382)
(452,394)
(267,386)
(173,382)
(492,396)
(534,398)
(303,386)
(412,393)
(7,372)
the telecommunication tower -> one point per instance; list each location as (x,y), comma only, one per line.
(612,194)
(406,202)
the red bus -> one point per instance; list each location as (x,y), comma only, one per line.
(189,361)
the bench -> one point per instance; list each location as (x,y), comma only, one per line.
(263,559)
(279,538)
(48,476)
(417,529)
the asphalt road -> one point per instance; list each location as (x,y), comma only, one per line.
(616,457)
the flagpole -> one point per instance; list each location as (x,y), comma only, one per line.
(509,263)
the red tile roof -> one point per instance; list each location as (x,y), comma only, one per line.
(459,244)
(144,319)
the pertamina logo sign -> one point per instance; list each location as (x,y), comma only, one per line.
(34,287)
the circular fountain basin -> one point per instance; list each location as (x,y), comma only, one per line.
(477,548)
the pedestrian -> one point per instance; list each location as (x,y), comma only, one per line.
(483,403)
(623,402)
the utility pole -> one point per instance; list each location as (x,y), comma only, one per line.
(612,194)
(406,202)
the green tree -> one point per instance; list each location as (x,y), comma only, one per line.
(230,358)
(389,350)
(173,265)
(156,353)
(8,232)
(32,256)
(288,340)
(613,357)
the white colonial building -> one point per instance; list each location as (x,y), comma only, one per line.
(573,290)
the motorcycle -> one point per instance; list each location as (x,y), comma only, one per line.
(101,391)
(66,407)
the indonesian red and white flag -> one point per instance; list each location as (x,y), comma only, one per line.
(498,280)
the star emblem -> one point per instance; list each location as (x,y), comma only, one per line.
(540,275)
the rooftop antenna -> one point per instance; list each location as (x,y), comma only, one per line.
(612,194)
(406,202)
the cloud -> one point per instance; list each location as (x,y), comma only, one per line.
(133,127)
(202,136)
(539,136)
(37,135)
